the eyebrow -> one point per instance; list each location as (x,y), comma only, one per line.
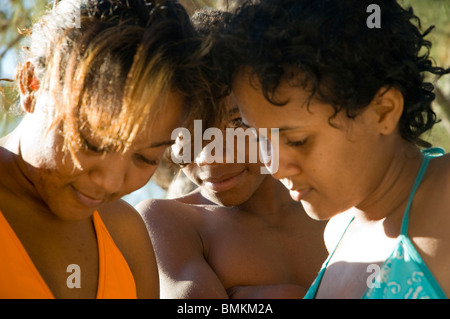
(288,128)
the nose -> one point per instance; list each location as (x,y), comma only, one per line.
(210,155)
(110,173)
(215,151)
(289,165)
(204,157)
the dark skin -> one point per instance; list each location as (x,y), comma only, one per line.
(48,201)
(266,247)
(53,243)
(250,240)
(380,170)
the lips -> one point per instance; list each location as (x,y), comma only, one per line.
(87,200)
(224,182)
(299,195)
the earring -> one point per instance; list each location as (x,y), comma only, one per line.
(34,84)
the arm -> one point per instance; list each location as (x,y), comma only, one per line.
(184,271)
(128,230)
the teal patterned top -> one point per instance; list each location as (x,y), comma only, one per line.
(404,274)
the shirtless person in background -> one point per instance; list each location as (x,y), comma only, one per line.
(238,235)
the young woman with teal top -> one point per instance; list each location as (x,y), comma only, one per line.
(404,274)
(349,97)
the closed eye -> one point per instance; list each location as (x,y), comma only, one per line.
(296,143)
(145,160)
(88,146)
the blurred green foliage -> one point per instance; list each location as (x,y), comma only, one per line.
(437,13)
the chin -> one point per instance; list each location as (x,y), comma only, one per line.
(70,213)
(318,213)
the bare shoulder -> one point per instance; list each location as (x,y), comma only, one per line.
(441,163)
(335,229)
(176,231)
(165,211)
(168,220)
(443,166)
(125,226)
(153,206)
(432,200)
(436,183)
(430,220)
(120,218)
(129,233)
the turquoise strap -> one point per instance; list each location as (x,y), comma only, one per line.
(312,291)
(428,153)
(433,152)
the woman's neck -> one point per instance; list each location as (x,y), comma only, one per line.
(392,193)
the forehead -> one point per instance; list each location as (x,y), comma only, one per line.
(256,109)
(159,127)
(154,132)
(299,111)
(229,110)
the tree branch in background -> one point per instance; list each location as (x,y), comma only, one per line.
(443,102)
(11,45)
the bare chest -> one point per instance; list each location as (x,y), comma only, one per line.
(354,264)
(263,256)
(64,253)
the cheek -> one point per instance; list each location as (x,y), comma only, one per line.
(137,178)
(345,181)
(191,173)
(254,173)
(55,190)
(251,183)
(43,151)
(339,168)
(338,173)
(51,171)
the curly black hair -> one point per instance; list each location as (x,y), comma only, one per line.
(328,47)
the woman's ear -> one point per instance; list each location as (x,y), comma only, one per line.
(28,86)
(388,107)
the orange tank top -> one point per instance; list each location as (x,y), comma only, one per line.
(20,279)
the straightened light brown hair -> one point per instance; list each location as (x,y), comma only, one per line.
(110,74)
